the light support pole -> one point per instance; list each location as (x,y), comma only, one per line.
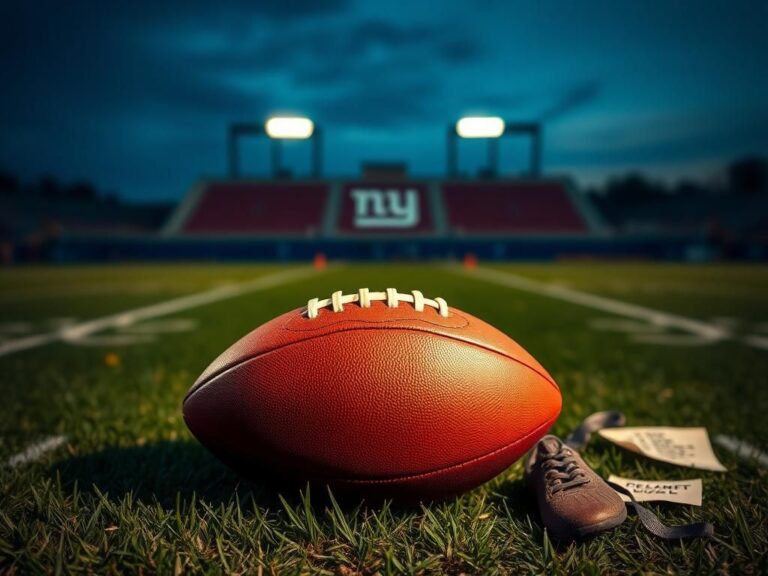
(451,147)
(276,153)
(235,132)
(317,153)
(493,157)
(276,129)
(492,128)
(533,131)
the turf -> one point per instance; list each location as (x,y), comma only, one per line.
(131,490)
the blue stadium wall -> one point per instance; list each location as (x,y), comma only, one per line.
(74,250)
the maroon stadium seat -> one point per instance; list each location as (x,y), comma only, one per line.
(258,208)
(511,208)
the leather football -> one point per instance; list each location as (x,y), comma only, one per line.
(379,394)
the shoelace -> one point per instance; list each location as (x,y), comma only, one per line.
(562,471)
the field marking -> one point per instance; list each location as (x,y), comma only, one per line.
(757,341)
(10,328)
(36,451)
(129,317)
(741,449)
(143,333)
(112,340)
(631,327)
(708,332)
(169,326)
(645,333)
(672,339)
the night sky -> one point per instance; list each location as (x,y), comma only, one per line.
(137,98)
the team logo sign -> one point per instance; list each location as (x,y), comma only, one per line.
(384,208)
(376,208)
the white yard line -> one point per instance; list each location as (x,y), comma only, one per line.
(36,451)
(130,317)
(741,449)
(656,317)
(757,341)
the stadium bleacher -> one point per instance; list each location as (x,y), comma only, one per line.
(380,209)
(511,208)
(251,208)
(386,218)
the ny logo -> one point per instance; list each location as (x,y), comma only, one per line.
(376,208)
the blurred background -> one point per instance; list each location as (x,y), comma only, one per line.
(399,130)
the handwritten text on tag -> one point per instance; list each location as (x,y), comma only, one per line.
(681,446)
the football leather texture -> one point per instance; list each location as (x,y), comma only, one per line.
(388,398)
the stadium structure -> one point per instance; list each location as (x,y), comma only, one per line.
(380,219)
(384,214)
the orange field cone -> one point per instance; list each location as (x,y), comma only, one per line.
(470,261)
(320,261)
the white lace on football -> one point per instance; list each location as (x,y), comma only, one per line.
(364,297)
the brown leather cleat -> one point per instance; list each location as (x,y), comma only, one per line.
(573,501)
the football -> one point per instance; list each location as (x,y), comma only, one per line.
(379,394)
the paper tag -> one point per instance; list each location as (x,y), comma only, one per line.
(681,446)
(678,491)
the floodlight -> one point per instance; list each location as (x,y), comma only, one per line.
(480,127)
(289,128)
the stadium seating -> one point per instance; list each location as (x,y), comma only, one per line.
(255,208)
(511,208)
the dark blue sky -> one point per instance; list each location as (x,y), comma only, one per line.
(136,98)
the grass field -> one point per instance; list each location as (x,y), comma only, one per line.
(129,489)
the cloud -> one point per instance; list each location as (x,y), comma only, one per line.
(382,103)
(101,89)
(314,56)
(572,98)
(365,73)
(390,34)
(289,10)
(460,51)
(660,137)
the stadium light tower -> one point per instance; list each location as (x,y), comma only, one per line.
(492,128)
(277,129)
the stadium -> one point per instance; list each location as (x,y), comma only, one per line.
(318,289)
(385,214)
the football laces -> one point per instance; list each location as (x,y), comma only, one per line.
(364,297)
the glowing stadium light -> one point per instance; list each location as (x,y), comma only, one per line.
(289,128)
(480,127)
